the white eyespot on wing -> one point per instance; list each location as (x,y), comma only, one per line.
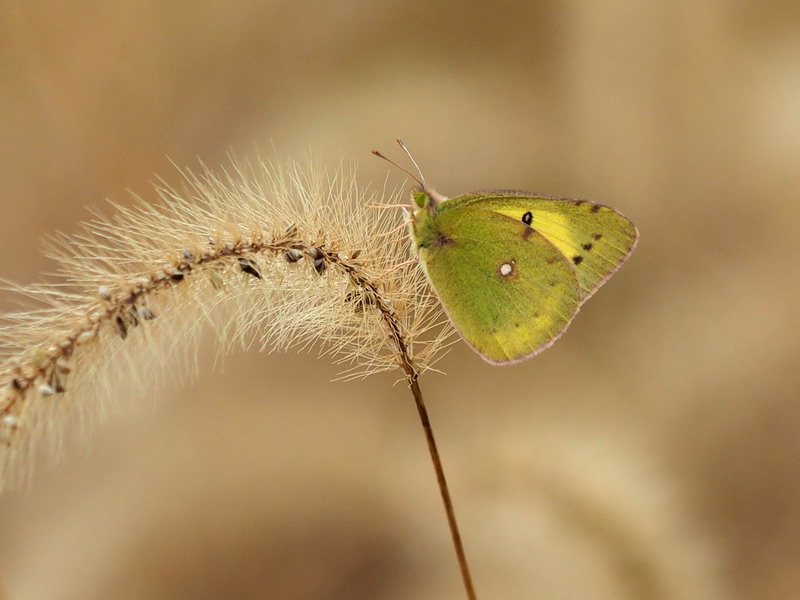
(506,269)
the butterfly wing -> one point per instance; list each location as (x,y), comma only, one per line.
(509,290)
(595,238)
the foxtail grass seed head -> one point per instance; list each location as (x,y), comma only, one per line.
(84,337)
(122,327)
(94,336)
(292,255)
(145,313)
(249,267)
(46,390)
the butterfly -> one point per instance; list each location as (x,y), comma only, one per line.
(511,268)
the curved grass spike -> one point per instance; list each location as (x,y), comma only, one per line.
(273,255)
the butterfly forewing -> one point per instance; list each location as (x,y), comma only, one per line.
(595,238)
(508,289)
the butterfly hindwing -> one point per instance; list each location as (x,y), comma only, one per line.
(508,289)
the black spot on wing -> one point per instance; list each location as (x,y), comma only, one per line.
(527,218)
(586,247)
(597,236)
(595,208)
(577,259)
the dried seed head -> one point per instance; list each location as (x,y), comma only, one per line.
(131,317)
(249,267)
(360,299)
(145,313)
(121,326)
(38,358)
(292,255)
(56,382)
(84,337)
(129,267)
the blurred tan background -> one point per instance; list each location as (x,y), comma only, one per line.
(652,453)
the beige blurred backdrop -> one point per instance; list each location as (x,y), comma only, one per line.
(652,453)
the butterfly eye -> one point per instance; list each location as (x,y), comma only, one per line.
(421,199)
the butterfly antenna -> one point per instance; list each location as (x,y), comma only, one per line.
(420,180)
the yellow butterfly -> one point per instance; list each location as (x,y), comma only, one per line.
(512,269)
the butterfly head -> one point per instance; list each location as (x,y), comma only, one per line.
(427,198)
